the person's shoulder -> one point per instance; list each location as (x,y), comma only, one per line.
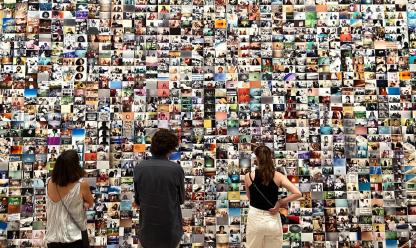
(141,162)
(250,175)
(154,162)
(173,167)
(278,173)
(176,166)
(278,178)
(140,165)
(84,184)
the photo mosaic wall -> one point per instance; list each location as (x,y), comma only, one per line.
(329,84)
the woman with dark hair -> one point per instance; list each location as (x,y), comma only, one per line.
(67,195)
(264,227)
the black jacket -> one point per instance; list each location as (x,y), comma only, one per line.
(159,192)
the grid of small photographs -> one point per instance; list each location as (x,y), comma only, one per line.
(329,84)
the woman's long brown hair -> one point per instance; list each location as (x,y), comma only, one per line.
(67,168)
(265,163)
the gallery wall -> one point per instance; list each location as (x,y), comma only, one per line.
(329,85)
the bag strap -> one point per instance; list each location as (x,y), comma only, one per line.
(69,213)
(258,190)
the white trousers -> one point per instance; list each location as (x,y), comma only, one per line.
(264,230)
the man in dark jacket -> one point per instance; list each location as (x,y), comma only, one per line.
(159,192)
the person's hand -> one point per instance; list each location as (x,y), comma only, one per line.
(86,206)
(276,208)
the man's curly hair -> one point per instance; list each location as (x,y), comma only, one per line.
(164,141)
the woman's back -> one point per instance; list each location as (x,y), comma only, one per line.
(262,190)
(270,191)
(60,226)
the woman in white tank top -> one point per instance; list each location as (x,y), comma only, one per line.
(67,195)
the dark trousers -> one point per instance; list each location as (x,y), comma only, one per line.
(76,244)
(141,246)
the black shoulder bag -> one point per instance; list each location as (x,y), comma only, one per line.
(84,234)
(283,218)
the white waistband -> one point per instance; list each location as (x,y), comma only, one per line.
(259,211)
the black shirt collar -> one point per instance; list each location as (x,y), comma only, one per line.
(160,157)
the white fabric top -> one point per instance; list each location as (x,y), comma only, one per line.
(60,226)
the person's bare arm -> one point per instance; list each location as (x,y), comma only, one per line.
(86,194)
(289,186)
(282,181)
(247,183)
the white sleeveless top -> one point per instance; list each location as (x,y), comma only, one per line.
(60,226)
